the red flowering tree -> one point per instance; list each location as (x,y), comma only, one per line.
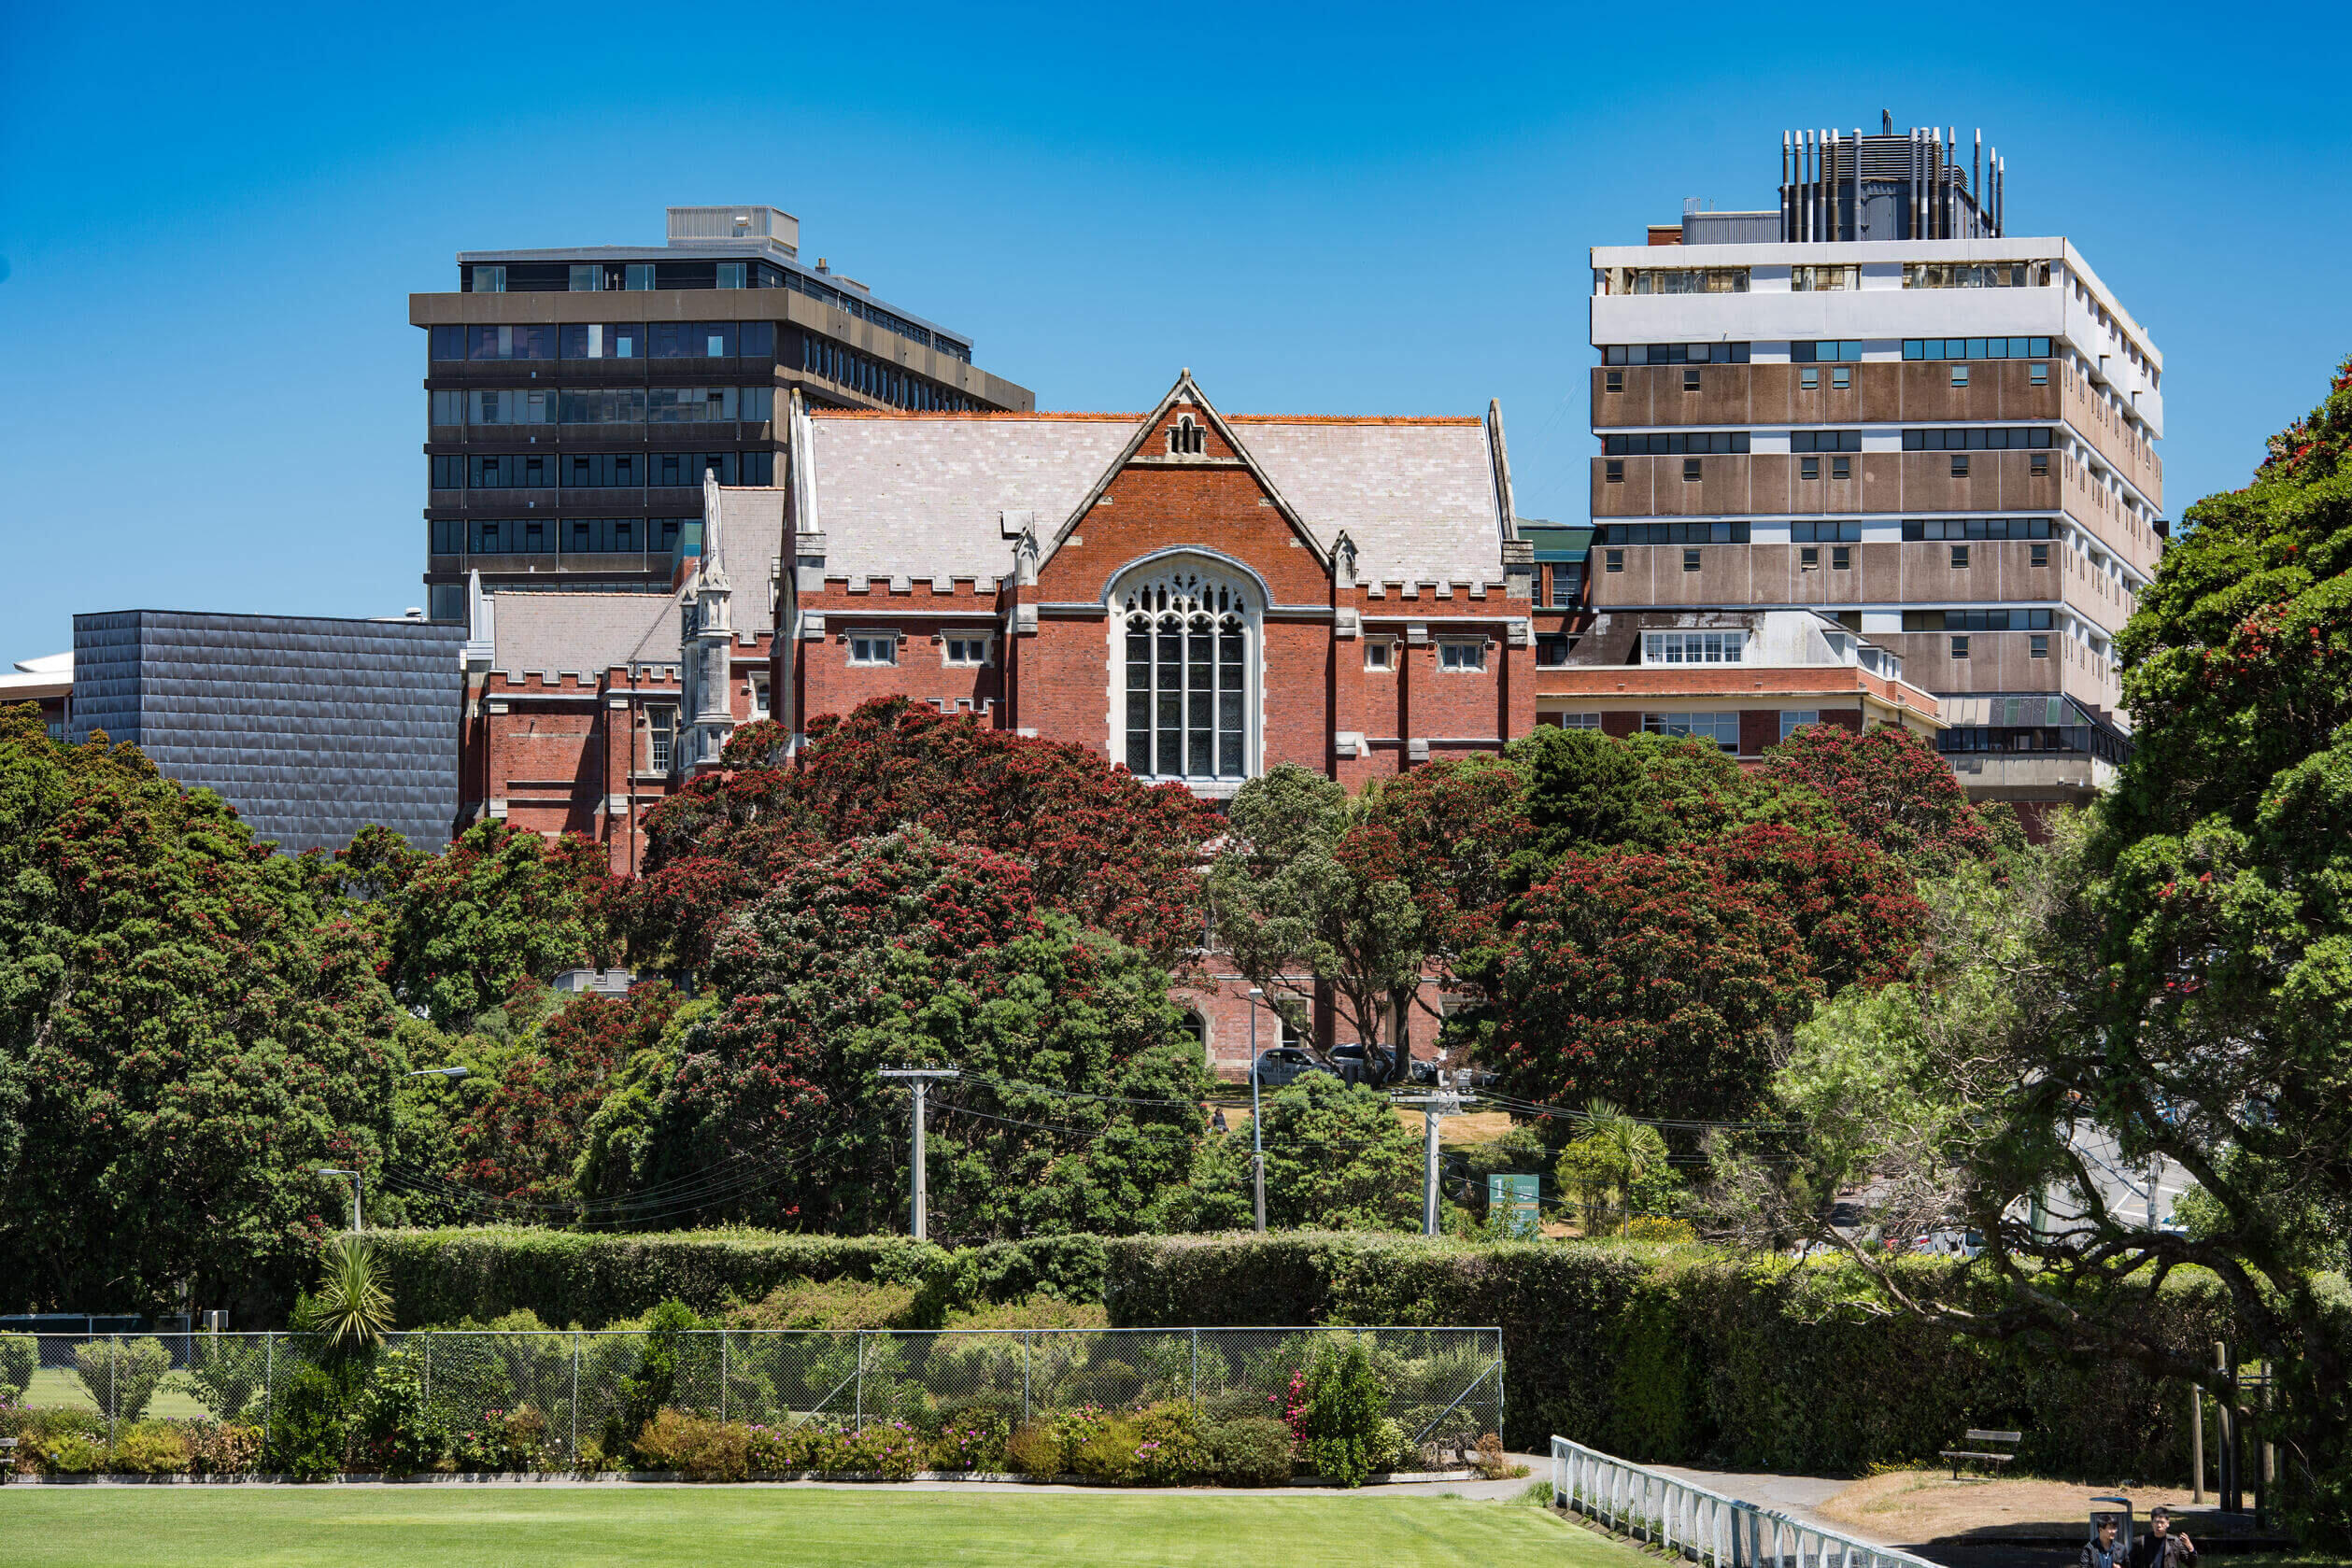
(1891,789)
(1653,980)
(1099,844)
(909,950)
(1853,908)
(522,1140)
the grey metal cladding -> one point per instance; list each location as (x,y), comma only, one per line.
(312,728)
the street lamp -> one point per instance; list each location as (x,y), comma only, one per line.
(1257,1140)
(357,1183)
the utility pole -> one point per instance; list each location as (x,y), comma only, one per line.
(921,1079)
(357,1182)
(1257,1140)
(1432,1107)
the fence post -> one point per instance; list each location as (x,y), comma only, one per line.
(857,1416)
(1194,1389)
(575,1396)
(722,1375)
(114,1362)
(1025,1377)
(428,1338)
(269,1376)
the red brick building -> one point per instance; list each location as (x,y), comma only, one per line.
(1194,594)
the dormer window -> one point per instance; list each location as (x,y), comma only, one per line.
(1187,438)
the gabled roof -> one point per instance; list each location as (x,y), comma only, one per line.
(926,495)
(1185,392)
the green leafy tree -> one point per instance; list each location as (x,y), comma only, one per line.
(1345,1408)
(910,951)
(2172,977)
(121,1374)
(461,927)
(1337,1158)
(191,1026)
(1296,895)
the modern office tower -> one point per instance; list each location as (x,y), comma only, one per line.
(1875,406)
(311,728)
(576,398)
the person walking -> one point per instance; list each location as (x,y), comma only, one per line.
(2101,1551)
(2162,1546)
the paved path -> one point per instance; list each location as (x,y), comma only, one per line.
(1797,1496)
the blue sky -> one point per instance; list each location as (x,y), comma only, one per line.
(211,217)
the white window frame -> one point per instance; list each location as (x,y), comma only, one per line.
(1379,655)
(864,645)
(1191,578)
(760,708)
(1580,721)
(1795,719)
(1718,646)
(1689,724)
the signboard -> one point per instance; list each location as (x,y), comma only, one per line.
(1514,1203)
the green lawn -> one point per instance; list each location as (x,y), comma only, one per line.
(420,1527)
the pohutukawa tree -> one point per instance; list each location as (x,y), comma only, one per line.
(1102,845)
(188,1027)
(2173,978)
(910,950)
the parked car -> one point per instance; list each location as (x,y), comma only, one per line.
(1357,1064)
(1949,1241)
(1285,1063)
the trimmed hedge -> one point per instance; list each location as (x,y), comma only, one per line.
(1675,1355)
(443,1277)
(1656,1353)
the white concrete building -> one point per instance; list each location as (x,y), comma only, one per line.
(1872,401)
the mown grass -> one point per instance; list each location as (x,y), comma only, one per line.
(539,1527)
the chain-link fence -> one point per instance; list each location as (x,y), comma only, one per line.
(1444,1386)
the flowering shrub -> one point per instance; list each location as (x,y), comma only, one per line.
(503,1440)
(1174,1446)
(890,1449)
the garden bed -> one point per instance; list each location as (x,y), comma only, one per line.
(620,1477)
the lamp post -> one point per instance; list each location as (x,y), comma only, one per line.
(448,1073)
(1257,1139)
(357,1183)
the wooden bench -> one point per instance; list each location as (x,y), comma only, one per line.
(1982,1455)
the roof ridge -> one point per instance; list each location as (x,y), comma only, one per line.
(1081,416)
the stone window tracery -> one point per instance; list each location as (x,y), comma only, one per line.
(1186,438)
(1189,659)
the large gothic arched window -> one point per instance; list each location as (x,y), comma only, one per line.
(1188,667)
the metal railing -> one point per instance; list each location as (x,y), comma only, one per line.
(1706,1527)
(1444,1386)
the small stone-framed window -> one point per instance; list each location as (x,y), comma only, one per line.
(1379,653)
(874,647)
(1187,437)
(1464,657)
(963,649)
